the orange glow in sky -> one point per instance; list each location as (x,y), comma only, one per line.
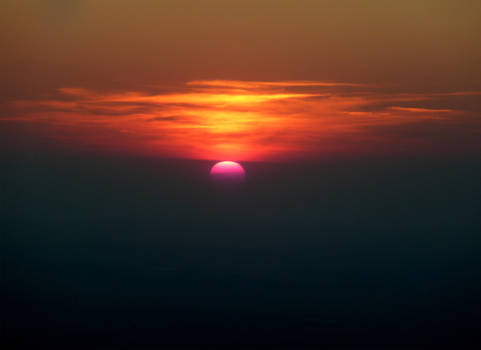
(246,120)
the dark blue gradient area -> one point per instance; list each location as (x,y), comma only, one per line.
(105,252)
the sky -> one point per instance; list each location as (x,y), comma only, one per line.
(354,223)
(250,80)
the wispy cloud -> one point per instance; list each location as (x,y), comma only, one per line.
(269,84)
(241,120)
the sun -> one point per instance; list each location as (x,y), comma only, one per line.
(227,171)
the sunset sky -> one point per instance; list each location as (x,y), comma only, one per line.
(240,174)
(251,80)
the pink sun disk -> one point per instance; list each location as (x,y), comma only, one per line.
(227,170)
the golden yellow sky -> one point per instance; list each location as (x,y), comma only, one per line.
(248,80)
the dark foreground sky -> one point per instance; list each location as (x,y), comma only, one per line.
(358,124)
(148,253)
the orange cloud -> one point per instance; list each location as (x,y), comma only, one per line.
(268,84)
(244,120)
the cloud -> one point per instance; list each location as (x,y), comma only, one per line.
(167,118)
(241,120)
(250,85)
(421,110)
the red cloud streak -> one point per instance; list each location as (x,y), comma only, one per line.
(246,120)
